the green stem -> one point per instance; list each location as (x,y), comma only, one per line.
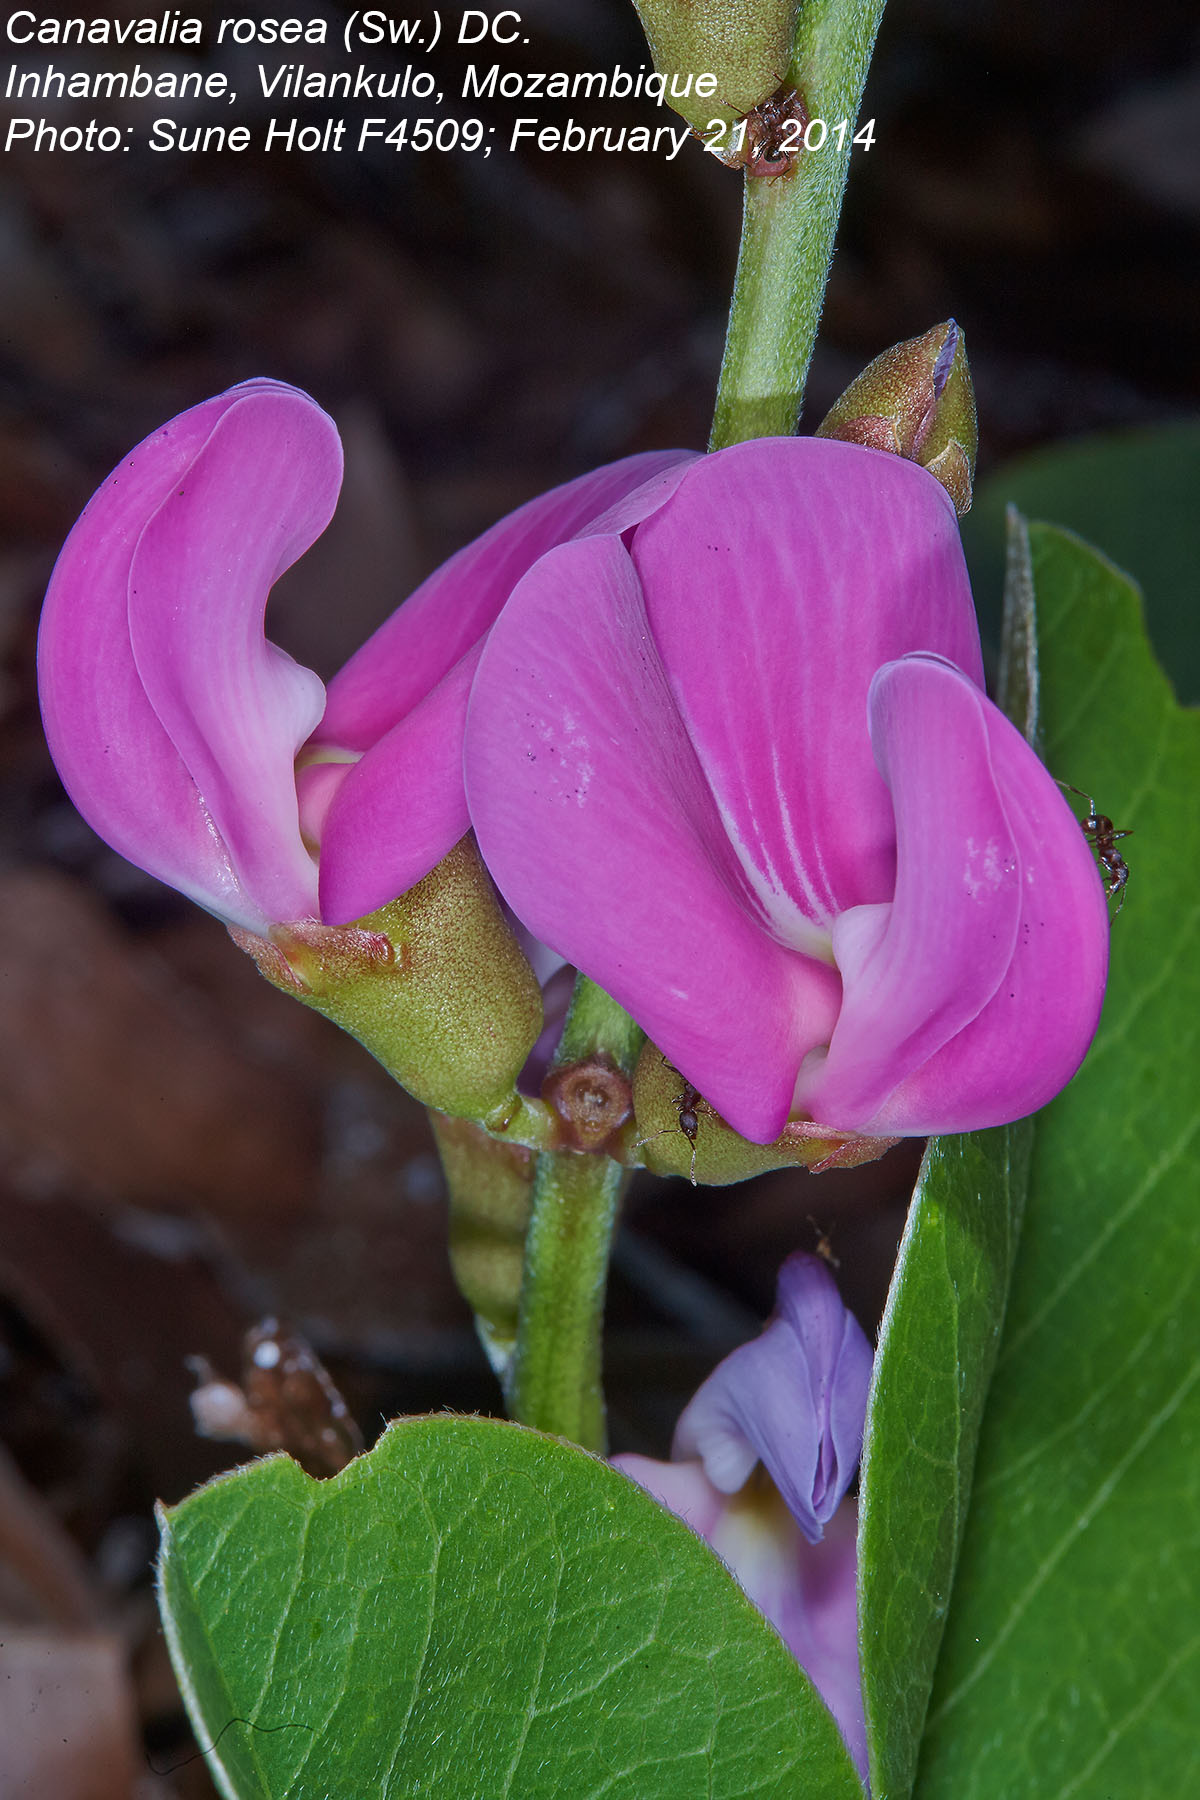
(554,1384)
(554,1380)
(788,229)
(595,1026)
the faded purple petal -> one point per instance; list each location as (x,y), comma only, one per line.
(595,819)
(425,637)
(777,580)
(119,762)
(795,1398)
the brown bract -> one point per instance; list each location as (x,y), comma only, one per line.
(592,1098)
(775,133)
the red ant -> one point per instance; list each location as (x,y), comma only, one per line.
(1102,836)
(686,1103)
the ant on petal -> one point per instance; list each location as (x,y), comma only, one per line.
(1100,832)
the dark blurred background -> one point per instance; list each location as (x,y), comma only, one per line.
(184,1149)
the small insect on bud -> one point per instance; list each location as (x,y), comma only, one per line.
(917,401)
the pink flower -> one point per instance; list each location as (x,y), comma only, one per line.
(176,725)
(735,762)
(796,1399)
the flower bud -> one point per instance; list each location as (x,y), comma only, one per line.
(916,400)
(433,985)
(745,44)
(679,1133)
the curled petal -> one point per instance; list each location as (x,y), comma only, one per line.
(971,1000)
(602,835)
(778,579)
(1032,1034)
(237,709)
(118,758)
(449,612)
(795,1398)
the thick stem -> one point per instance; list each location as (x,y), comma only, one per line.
(555,1379)
(788,230)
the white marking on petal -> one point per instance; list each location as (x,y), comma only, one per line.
(789,923)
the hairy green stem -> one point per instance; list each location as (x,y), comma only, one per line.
(788,229)
(554,1383)
(554,1379)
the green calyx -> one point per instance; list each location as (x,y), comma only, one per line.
(744,47)
(434,985)
(679,1133)
(916,401)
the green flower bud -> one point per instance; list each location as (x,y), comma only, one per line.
(916,400)
(678,1133)
(434,985)
(745,44)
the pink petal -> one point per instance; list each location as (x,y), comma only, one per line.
(1031,1036)
(426,636)
(116,760)
(256,495)
(401,809)
(780,576)
(973,997)
(596,822)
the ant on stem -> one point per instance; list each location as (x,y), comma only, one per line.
(1100,832)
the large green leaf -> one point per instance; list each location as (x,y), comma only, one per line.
(1134,492)
(936,1350)
(1071,1661)
(471,1612)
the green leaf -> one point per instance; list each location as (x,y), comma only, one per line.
(1132,491)
(473,1611)
(936,1349)
(1070,1664)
